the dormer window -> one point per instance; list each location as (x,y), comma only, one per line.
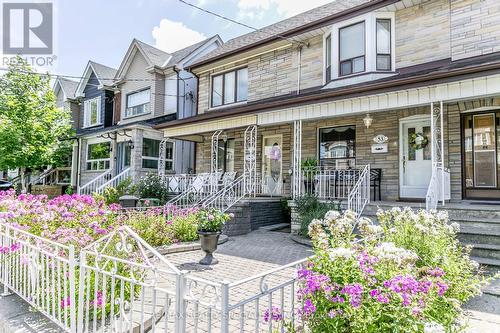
(138,103)
(352,49)
(360,49)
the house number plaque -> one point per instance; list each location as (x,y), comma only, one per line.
(380,146)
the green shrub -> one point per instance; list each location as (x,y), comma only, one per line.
(185,229)
(151,186)
(310,208)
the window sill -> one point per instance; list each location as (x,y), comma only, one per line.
(222,107)
(357,78)
(91,126)
(137,115)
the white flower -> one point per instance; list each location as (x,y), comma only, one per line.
(332,215)
(455,227)
(433,328)
(341,252)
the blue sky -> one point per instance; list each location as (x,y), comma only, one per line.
(102,30)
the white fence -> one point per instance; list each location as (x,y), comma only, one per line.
(121,284)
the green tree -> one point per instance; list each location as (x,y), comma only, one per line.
(33,131)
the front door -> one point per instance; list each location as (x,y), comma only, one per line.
(123,156)
(415,157)
(272,157)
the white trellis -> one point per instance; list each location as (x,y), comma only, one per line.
(297,157)
(162,158)
(214,154)
(250,159)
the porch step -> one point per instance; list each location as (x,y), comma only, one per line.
(475,236)
(492,265)
(488,251)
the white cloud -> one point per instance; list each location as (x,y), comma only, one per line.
(285,8)
(172,36)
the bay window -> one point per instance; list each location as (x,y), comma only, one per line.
(230,87)
(151,154)
(352,49)
(92,112)
(138,103)
(98,156)
(383,45)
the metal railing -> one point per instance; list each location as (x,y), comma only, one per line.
(95,183)
(200,188)
(228,195)
(113,182)
(359,194)
(439,187)
(178,183)
(330,183)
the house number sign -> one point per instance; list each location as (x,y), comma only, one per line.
(380,146)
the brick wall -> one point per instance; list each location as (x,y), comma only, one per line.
(422,33)
(475,27)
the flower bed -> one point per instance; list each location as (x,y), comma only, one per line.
(80,219)
(408,274)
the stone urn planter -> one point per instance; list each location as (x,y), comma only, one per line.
(209,241)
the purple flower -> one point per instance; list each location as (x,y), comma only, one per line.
(354,291)
(442,287)
(274,314)
(436,272)
(307,309)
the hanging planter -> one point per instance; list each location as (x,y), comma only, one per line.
(418,141)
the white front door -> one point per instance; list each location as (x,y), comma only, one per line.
(415,162)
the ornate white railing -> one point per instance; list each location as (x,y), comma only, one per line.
(330,184)
(201,187)
(41,178)
(439,187)
(95,183)
(113,182)
(178,183)
(228,195)
(359,195)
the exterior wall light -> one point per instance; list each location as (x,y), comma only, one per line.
(368,120)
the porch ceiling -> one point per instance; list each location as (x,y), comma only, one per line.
(192,132)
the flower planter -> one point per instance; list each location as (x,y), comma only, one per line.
(208,241)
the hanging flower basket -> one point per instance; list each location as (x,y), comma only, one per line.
(418,141)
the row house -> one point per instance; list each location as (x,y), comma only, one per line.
(402,95)
(118,109)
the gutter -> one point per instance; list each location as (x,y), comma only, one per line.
(329,95)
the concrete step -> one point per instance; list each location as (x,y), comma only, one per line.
(468,235)
(492,265)
(488,251)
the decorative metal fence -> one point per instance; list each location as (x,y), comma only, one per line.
(330,184)
(121,284)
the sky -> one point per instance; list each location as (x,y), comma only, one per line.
(102,30)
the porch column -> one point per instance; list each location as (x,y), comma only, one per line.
(249,159)
(297,158)
(161,158)
(437,146)
(214,155)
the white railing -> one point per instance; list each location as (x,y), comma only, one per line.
(178,183)
(202,186)
(41,272)
(439,187)
(330,184)
(113,182)
(41,178)
(359,195)
(228,195)
(95,183)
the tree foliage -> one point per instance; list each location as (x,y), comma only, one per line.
(33,131)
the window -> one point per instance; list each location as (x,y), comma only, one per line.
(98,156)
(352,49)
(92,112)
(337,147)
(226,156)
(138,103)
(230,87)
(328,58)
(383,45)
(151,154)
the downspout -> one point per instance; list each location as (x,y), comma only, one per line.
(299,67)
(78,163)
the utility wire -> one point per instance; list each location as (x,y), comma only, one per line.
(240,23)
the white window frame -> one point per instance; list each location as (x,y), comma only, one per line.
(98,160)
(370,20)
(146,107)
(87,109)
(158,158)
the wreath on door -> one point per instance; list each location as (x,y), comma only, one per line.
(418,141)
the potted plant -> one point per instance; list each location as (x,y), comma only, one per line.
(309,167)
(210,224)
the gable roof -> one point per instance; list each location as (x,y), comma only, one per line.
(291,26)
(158,58)
(104,74)
(67,86)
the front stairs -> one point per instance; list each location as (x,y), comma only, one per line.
(479,226)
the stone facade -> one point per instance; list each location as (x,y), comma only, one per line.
(475,28)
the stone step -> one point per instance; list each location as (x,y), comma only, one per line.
(469,235)
(488,251)
(492,265)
